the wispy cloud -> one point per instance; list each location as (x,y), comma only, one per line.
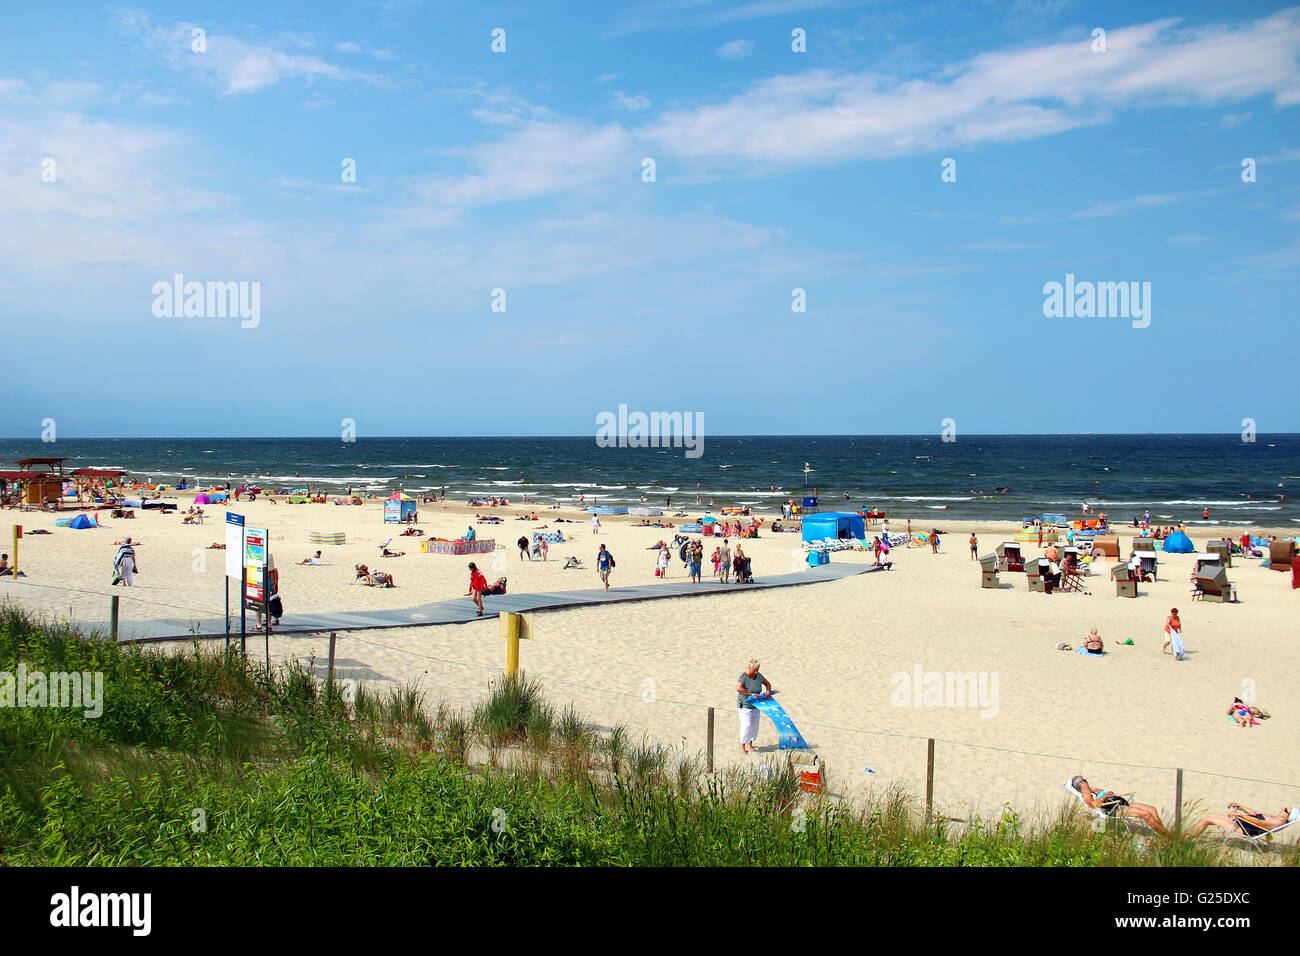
(633,104)
(234,65)
(1117,207)
(735,50)
(822,117)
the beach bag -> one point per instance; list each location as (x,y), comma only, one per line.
(658,571)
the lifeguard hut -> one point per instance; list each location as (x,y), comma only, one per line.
(42,480)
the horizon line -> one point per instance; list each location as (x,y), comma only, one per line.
(1090,434)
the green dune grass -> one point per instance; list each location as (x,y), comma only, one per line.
(201,758)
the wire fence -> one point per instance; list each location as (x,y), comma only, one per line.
(957,780)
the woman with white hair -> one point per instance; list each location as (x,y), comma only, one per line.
(750,682)
(124,568)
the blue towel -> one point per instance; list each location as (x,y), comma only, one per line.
(1083,651)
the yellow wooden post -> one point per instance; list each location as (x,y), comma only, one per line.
(510,624)
(514,628)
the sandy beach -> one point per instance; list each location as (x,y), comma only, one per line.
(848,657)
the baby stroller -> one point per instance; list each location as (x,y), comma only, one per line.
(742,573)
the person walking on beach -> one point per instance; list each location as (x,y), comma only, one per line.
(1174,635)
(696,559)
(595,524)
(724,562)
(477,585)
(875,549)
(545,548)
(604,565)
(750,682)
(934,540)
(909,532)
(974,546)
(523,547)
(662,560)
(124,566)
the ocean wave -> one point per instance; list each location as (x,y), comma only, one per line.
(924,498)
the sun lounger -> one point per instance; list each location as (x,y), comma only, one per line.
(1102,814)
(1255,834)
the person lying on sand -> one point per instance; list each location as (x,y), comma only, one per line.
(1244,821)
(374,578)
(1113,805)
(314,559)
(216,546)
(391,554)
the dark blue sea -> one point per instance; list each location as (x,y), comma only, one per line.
(1173,476)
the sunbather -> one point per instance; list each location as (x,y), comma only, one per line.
(373,579)
(1093,643)
(1113,805)
(314,559)
(1245,821)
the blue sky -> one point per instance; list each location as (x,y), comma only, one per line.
(775,170)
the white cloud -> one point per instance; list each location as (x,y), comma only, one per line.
(1118,206)
(633,104)
(822,117)
(538,159)
(233,64)
(735,50)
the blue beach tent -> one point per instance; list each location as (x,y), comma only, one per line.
(833,524)
(1179,543)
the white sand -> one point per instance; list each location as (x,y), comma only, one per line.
(832,649)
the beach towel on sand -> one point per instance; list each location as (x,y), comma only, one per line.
(1084,652)
(1176,644)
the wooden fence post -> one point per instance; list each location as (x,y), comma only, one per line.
(112,618)
(329,677)
(709,766)
(1178,798)
(929,777)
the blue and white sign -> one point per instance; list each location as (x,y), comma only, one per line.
(234,546)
